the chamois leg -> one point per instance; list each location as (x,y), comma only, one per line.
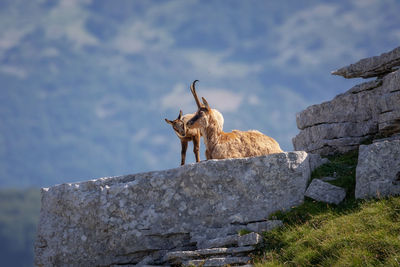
(196,147)
(208,156)
(184,145)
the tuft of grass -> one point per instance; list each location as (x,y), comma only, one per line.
(243,232)
(353,233)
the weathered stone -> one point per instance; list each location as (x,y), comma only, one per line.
(250,239)
(391,138)
(218,261)
(371,67)
(342,124)
(378,170)
(123,220)
(227,241)
(354,106)
(325,192)
(266,226)
(316,161)
(322,135)
(180,256)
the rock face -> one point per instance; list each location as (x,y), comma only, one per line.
(138,219)
(371,67)
(378,170)
(365,111)
(325,192)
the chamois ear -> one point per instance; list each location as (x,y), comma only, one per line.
(168,121)
(205,103)
(180,115)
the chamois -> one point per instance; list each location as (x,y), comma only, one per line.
(236,144)
(186,135)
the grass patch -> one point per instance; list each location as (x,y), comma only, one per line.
(342,167)
(353,233)
(369,236)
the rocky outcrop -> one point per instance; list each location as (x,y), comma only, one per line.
(364,112)
(325,192)
(139,219)
(372,67)
(378,169)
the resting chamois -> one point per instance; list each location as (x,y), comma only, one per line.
(236,144)
(186,135)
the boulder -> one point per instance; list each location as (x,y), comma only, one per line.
(371,67)
(250,239)
(378,169)
(138,219)
(325,192)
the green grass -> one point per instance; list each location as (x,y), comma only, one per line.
(353,233)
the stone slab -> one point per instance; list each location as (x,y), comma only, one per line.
(250,239)
(325,192)
(223,261)
(372,66)
(128,218)
(378,170)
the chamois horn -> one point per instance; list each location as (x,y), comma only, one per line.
(193,89)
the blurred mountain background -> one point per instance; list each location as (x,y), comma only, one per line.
(85,85)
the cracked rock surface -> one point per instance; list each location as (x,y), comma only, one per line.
(372,66)
(378,169)
(364,112)
(138,219)
(325,192)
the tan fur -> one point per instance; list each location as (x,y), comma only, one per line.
(236,144)
(187,135)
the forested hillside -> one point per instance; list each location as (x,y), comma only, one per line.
(19,214)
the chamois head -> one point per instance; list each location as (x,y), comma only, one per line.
(200,118)
(178,125)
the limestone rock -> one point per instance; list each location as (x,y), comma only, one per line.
(316,161)
(250,239)
(365,111)
(259,227)
(351,107)
(227,241)
(232,239)
(139,218)
(185,255)
(222,261)
(371,67)
(378,170)
(325,192)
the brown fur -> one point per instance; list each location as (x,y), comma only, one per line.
(236,144)
(186,135)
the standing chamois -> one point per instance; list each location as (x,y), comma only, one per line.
(186,135)
(236,144)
